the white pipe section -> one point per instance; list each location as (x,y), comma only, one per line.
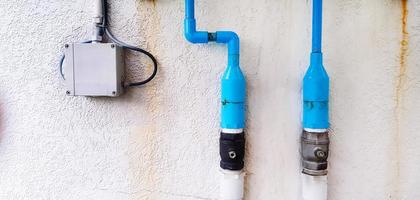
(314,187)
(98,11)
(233,131)
(315,130)
(232,182)
(98,18)
(232,185)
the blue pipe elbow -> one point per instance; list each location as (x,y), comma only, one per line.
(231,39)
(316,95)
(233,81)
(190,25)
(192,35)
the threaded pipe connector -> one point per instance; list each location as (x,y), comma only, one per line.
(314,152)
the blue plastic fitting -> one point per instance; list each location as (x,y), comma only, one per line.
(233,96)
(230,38)
(233,81)
(192,35)
(316,86)
(316,82)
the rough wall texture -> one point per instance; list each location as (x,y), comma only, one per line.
(160,142)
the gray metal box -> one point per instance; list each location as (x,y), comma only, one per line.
(94,69)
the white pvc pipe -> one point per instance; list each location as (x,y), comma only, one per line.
(314,187)
(232,185)
(233,131)
(232,182)
(311,130)
(98,10)
(98,18)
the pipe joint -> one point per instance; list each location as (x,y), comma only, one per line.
(232,151)
(230,38)
(98,33)
(233,98)
(212,37)
(314,151)
(99,10)
(316,95)
(99,21)
(192,35)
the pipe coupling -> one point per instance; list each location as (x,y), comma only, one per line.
(232,151)
(212,37)
(314,152)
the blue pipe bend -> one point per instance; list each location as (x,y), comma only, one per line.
(192,35)
(233,81)
(230,38)
(226,37)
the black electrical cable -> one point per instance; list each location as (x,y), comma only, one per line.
(104,14)
(133,48)
(130,47)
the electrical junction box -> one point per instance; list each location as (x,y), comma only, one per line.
(94,69)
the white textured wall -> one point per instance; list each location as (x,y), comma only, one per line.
(160,142)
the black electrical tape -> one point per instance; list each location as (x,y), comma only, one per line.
(232,151)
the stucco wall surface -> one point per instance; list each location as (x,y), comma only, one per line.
(160,142)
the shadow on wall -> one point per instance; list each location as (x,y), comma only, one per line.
(1,121)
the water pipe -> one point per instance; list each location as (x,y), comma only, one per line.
(315,138)
(232,137)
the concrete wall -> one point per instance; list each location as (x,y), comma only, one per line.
(160,142)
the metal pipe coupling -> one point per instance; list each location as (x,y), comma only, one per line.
(314,152)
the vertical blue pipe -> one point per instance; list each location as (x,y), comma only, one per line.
(189,9)
(316,80)
(317,27)
(233,81)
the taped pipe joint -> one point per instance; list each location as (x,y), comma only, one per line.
(232,151)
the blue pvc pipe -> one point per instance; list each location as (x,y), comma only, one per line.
(317,26)
(191,33)
(233,81)
(316,81)
(189,9)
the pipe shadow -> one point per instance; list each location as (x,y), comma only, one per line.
(2,122)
